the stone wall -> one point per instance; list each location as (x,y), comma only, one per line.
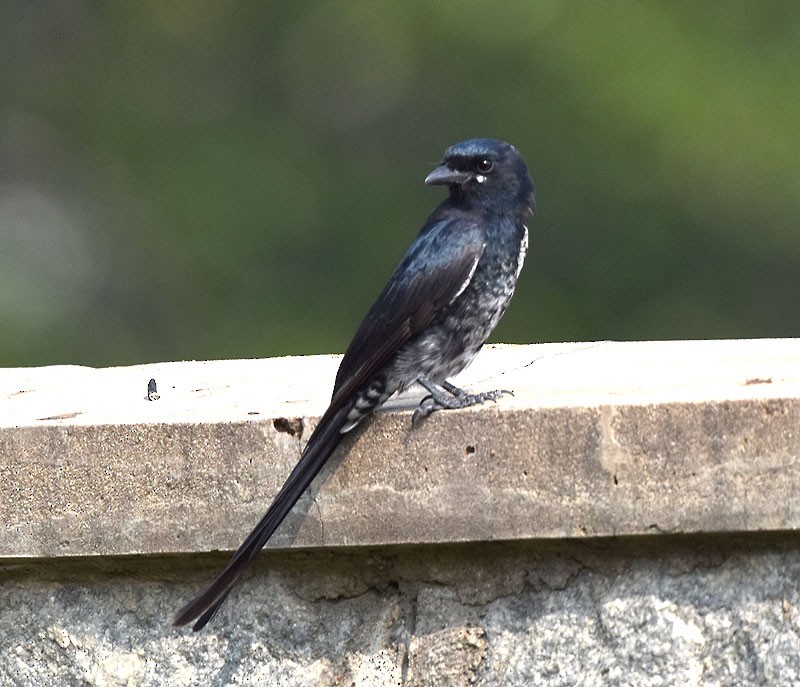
(628,517)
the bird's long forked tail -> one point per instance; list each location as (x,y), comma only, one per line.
(321,445)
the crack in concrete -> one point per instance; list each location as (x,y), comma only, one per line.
(613,455)
(411,628)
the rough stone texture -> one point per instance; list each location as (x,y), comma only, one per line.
(711,611)
(110,504)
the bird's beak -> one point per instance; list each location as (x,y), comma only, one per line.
(446,175)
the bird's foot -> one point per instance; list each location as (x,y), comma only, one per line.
(449,397)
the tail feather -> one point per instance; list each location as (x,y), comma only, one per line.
(323,442)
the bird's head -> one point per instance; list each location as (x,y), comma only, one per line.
(488,172)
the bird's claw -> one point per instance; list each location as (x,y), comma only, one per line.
(490,395)
(426,406)
(459,399)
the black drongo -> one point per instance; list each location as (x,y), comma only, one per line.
(431,319)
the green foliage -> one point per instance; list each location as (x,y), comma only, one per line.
(212,180)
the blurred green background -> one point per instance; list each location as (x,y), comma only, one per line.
(218,180)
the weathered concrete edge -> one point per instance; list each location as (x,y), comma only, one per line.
(493,473)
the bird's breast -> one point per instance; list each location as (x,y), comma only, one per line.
(454,338)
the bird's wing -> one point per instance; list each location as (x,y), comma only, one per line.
(436,269)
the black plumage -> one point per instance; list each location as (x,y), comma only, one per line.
(428,323)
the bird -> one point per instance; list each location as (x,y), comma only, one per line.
(430,320)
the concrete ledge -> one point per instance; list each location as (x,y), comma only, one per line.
(600,439)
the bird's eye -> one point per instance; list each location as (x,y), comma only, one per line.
(485,165)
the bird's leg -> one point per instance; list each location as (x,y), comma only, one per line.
(449,396)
